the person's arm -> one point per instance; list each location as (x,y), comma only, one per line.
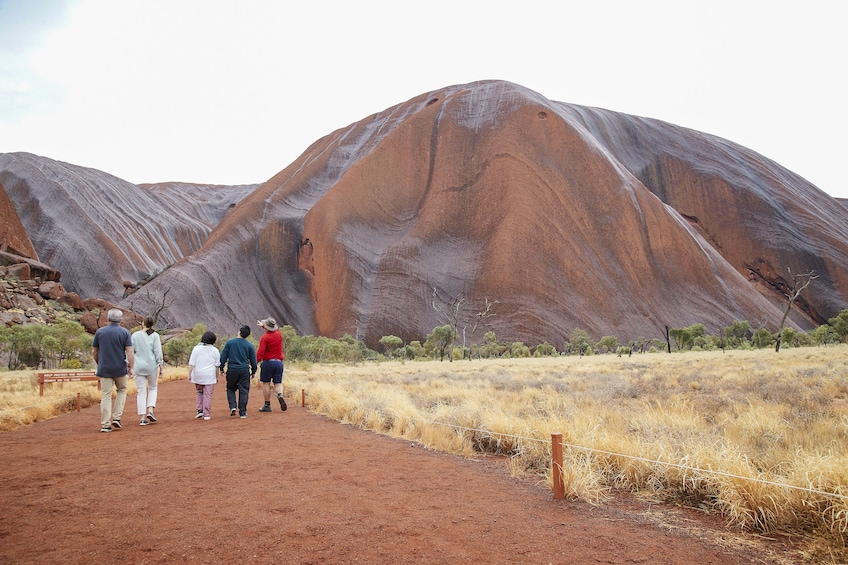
(157,351)
(260,352)
(94,353)
(224,356)
(130,359)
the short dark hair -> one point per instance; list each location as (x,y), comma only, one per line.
(244,331)
(208,338)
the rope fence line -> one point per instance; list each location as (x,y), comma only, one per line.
(643,459)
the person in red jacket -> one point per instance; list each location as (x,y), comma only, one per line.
(270,354)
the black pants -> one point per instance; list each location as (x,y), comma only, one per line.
(238,380)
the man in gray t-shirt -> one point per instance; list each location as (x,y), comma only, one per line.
(112,351)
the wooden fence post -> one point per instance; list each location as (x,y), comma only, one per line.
(302,398)
(79,406)
(556,465)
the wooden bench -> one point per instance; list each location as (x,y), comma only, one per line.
(66,377)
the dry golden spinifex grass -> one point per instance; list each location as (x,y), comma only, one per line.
(721,431)
(21,404)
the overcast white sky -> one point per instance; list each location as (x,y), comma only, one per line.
(230,92)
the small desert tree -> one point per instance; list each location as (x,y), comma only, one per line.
(579,341)
(796,284)
(440,339)
(28,346)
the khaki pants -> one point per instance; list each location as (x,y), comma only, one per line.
(107,411)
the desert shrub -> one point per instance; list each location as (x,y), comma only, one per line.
(391,344)
(518,349)
(788,337)
(839,323)
(544,350)
(762,338)
(735,334)
(311,349)
(176,350)
(607,344)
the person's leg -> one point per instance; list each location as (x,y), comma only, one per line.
(207,400)
(244,392)
(277,379)
(120,398)
(106,403)
(265,374)
(198,399)
(152,391)
(141,395)
(232,386)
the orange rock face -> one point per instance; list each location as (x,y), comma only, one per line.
(567,216)
(13,236)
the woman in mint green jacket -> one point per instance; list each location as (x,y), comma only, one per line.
(147,347)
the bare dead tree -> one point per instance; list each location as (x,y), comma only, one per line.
(797,283)
(479,318)
(158,305)
(453,312)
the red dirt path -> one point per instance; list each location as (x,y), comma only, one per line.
(294,487)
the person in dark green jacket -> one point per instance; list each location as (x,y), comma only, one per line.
(239,356)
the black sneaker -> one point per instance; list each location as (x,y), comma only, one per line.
(116,424)
(282,402)
(199,415)
(151,417)
(266,408)
(105,429)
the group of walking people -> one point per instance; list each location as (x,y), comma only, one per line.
(119,354)
(241,360)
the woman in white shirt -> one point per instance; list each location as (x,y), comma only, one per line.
(203,372)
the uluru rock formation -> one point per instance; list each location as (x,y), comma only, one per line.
(567,216)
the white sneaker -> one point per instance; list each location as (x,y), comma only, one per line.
(207,417)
